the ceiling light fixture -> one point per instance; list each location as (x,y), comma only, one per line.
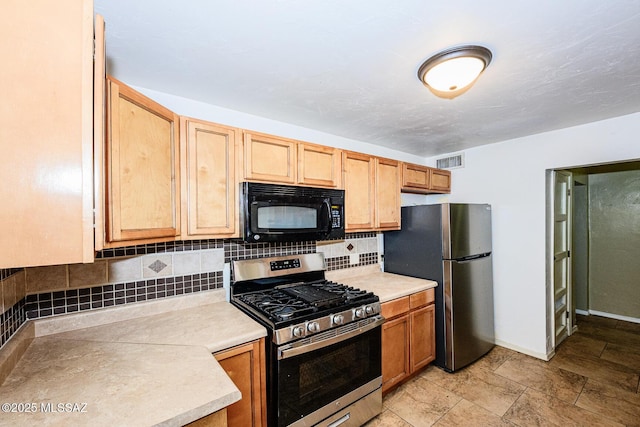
(453,71)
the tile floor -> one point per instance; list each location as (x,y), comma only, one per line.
(593,380)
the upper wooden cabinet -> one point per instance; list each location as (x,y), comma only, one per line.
(46,133)
(209,190)
(372,192)
(440,181)
(319,165)
(269,158)
(425,180)
(280,160)
(359,188)
(143,191)
(387,194)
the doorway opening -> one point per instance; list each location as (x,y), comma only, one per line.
(593,244)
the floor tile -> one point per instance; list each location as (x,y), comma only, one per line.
(610,335)
(622,355)
(557,382)
(596,320)
(387,419)
(622,406)
(482,387)
(465,414)
(594,368)
(629,327)
(496,357)
(584,344)
(420,402)
(534,408)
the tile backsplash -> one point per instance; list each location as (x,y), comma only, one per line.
(148,272)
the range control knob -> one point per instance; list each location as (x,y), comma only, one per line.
(313,327)
(369,310)
(338,319)
(298,331)
(360,312)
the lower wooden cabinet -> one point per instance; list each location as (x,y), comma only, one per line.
(217,419)
(408,337)
(245,365)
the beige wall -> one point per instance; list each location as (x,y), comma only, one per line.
(614,238)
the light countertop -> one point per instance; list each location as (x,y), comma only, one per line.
(387,286)
(145,370)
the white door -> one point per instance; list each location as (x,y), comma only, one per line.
(562,184)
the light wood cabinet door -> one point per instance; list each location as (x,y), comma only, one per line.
(245,365)
(209,189)
(217,419)
(319,166)
(395,351)
(422,338)
(416,178)
(425,180)
(440,181)
(46,133)
(99,131)
(359,189)
(269,158)
(142,168)
(388,176)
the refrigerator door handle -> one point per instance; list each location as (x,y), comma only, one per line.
(472,257)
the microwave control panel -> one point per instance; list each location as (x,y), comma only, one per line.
(336,216)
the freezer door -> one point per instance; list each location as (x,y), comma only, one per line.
(468,311)
(466,230)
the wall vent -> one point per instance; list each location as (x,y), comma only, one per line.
(451,162)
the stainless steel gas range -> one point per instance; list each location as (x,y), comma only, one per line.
(324,341)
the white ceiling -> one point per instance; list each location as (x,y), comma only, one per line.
(348,67)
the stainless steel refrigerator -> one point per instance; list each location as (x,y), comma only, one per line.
(451,244)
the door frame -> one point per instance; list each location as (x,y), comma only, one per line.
(551,178)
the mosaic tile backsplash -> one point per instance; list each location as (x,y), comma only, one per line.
(148,272)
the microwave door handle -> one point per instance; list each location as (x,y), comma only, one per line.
(328,207)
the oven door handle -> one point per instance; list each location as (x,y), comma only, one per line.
(291,352)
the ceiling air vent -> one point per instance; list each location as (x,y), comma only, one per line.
(452,162)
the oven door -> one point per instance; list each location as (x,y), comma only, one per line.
(320,378)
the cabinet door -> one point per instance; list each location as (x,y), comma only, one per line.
(318,165)
(268,158)
(395,351)
(440,181)
(46,182)
(209,190)
(142,168)
(99,105)
(388,176)
(422,341)
(245,365)
(415,178)
(359,188)
(217,419)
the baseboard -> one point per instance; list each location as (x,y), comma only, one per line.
(614,316)
(542,356)
(582,312)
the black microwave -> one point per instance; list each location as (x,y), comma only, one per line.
(286,213)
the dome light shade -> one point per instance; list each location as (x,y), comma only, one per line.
(453,71)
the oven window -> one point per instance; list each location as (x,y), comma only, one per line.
(311,380)
(287,217)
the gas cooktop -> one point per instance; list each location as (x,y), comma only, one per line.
(290,296)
